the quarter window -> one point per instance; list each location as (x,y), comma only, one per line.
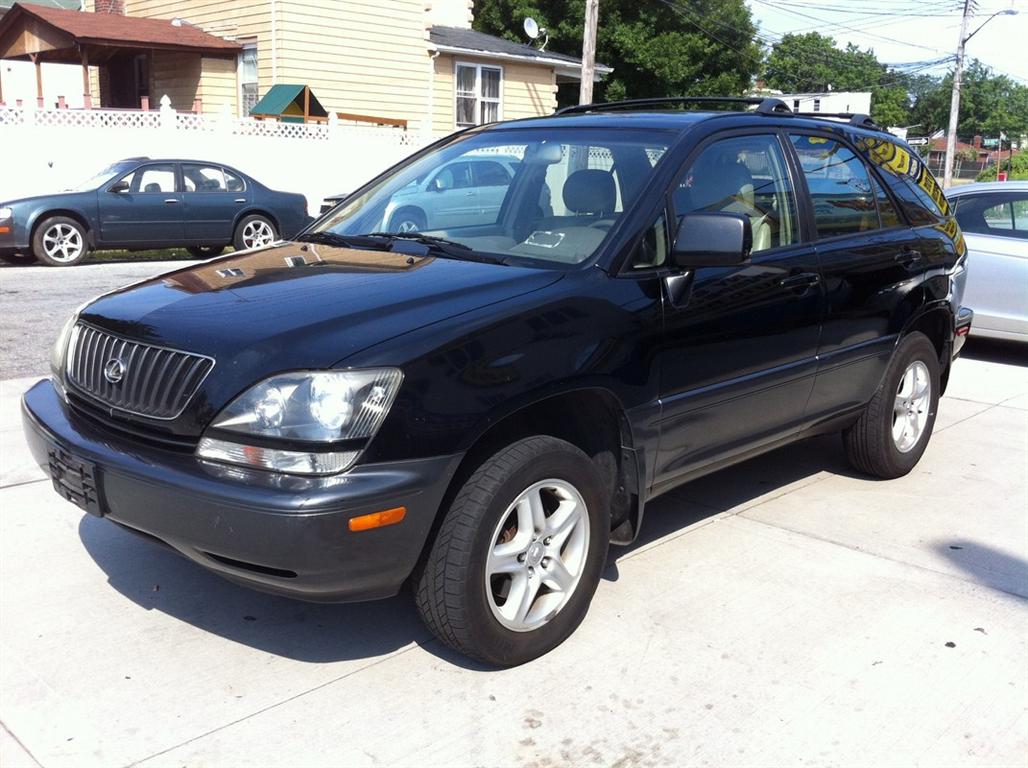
(743,174)
(477,94)
(839,185)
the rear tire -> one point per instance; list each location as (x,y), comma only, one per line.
(517,529)
(60,242)
(254,231)
(892,433)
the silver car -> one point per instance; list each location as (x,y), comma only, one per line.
(460,194)
(994,219)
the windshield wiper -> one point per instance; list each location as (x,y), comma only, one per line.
(442,246)
(346,241)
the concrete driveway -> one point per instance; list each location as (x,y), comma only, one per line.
(784,611)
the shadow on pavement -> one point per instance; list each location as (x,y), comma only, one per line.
(996,351)
(158,579)
(986,565)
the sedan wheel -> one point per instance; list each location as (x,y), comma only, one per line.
(254,232)
(59,242)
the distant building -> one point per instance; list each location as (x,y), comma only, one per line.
(858,102)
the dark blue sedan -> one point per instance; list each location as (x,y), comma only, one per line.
(142,203)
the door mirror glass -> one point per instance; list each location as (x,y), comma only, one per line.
(713,240)
(436,185)
(119,186)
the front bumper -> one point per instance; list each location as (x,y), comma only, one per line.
(283,534)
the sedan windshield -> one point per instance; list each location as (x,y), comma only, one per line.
(549,195)
(100,178)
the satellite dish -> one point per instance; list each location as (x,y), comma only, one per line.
(531,28)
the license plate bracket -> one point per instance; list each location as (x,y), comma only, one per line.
(75,479)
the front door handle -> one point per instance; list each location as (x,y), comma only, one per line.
(171,201)
(801,282)
(240,199)
(909,257)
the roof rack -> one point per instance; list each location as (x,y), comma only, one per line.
(853,118)
(765,106)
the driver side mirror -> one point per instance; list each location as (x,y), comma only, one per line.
(713,240)
(436,185)
(119,186)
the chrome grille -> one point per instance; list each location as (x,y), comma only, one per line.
(154,381)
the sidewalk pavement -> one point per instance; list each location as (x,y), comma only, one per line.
(781,612)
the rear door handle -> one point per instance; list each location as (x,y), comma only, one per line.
(171,201)
(800,283)
(909,257)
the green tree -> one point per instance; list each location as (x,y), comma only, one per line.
(812,62)
(699,48)
(989,104)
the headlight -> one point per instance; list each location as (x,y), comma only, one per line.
(60,349)
(320,407)
(6,213)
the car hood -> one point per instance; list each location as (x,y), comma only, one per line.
(298,306)
(31,201)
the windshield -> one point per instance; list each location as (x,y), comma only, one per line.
(549,194)
(102,177)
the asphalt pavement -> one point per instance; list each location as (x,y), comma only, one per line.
(35,301)
(786,611)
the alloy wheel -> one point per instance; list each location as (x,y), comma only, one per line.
(537,555)
(63,243)
(257,234)
(911,405)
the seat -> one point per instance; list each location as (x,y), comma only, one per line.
(152,187)
(590,192)
(728,188)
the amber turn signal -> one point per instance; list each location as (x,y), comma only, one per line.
(378,519)
(5,230)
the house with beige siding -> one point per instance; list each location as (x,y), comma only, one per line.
(413,60)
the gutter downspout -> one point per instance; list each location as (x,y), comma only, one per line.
(430,118)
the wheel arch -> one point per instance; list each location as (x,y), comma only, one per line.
(591,418)
(257,212)
(68,213)
(408,207)
(936,322)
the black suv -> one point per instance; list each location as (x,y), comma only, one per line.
(482,404)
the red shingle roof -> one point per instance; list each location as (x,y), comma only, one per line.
(114,29)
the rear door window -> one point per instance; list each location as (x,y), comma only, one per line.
(1002,214)
(916,190)
(841,192)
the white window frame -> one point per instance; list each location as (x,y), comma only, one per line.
(479,99)
(249,43)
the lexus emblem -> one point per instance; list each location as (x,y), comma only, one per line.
(114,370)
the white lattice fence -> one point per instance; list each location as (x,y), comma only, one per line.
(56,149)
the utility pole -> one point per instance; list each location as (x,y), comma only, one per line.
(954,101)
(592,17)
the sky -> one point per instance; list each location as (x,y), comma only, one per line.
(917,31)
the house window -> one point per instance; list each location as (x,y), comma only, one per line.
(248,78)
(817,105)
(795,105)
(477,94)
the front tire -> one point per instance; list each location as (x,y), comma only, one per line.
(60,242)
(408,220)
(254,231)
(514,566)
(892,433)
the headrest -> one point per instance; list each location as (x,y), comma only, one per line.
(152,187)
(590,190)
(721,185)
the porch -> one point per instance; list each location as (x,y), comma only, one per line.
(124,60)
